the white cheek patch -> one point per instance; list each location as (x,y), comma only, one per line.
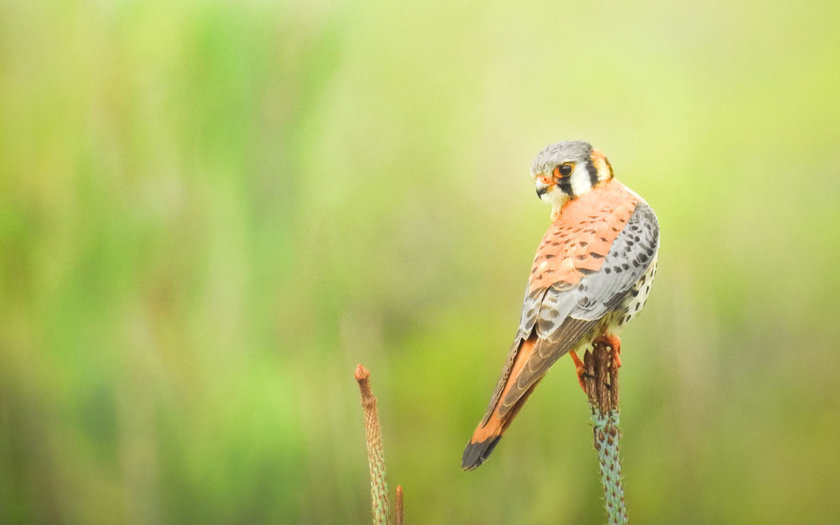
(580,180)
(556,198)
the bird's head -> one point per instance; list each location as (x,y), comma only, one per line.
(567,170)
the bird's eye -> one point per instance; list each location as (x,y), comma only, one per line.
(563,170)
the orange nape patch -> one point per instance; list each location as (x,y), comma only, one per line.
(579,239)
(601,163)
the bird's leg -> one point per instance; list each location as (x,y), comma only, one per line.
(581,371)
(613,342)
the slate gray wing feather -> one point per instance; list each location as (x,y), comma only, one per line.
(567,314)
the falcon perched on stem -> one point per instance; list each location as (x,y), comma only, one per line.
(591,275)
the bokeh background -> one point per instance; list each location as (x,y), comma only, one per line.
(210,212)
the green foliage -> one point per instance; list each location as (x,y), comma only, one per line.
(210,212)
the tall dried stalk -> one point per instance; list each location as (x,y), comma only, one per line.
(376,457)
(601,381)
(398,510)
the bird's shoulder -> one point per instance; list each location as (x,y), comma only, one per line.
(579,239)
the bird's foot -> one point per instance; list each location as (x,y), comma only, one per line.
(579,368)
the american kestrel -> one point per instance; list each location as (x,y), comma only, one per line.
(591,275)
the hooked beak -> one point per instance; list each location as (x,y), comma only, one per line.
(544,185)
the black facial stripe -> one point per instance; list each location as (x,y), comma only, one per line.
(593,172)
(565,185)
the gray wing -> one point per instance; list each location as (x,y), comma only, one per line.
(562,316)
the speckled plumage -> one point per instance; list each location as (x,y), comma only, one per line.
(591,275)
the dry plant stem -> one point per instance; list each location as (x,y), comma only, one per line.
(601,382)
(398,504)
(376,458)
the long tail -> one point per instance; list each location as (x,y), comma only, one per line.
(476,453)
(500,413)
(487,436)
(527,364)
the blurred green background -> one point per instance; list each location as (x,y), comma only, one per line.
(210,212)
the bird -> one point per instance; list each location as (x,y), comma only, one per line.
(591,275)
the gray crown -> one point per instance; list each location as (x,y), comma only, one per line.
(555,154)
